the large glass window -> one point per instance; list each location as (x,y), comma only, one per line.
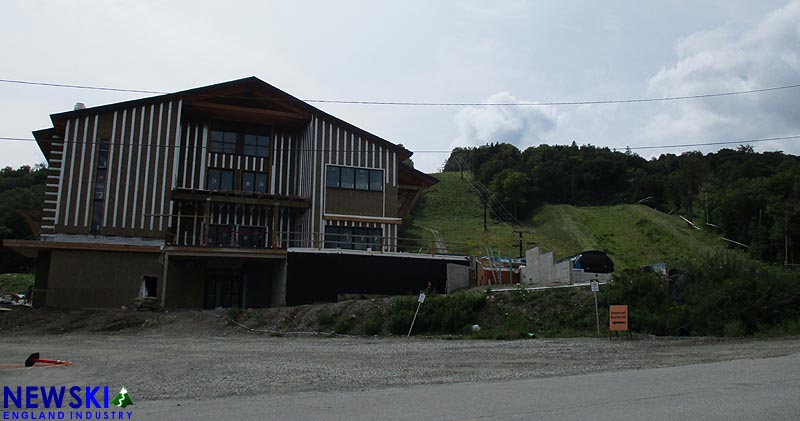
(332,176)
(222,142)
(354,178)
(256,146)
(240,139)
(362,179)
(99,186)
(352,238)
(348,178)
(220,180)
(251,237)
(376,180)
(219,236)
(254,182)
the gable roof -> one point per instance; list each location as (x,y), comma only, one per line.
(250,92)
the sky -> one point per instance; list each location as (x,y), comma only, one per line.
(446,51)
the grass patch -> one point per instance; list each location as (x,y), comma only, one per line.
(453,208)
(634,235)
(15,283)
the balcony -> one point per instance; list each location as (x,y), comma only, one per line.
(233,219)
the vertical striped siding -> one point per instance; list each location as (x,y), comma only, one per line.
(151,152)
(110,170)
(62,173)
(137,174)
(157,152)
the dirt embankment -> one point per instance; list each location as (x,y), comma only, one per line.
(307,319)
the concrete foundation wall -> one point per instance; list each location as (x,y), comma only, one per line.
(457,277)
(581,277)
(97,278)
(278,293)
(185,284)
(258,283)
(541,269)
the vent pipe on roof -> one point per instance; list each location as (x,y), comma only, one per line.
(80,106)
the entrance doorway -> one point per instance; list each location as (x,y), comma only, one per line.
(224,288)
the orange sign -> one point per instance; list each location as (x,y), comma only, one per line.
(618,318)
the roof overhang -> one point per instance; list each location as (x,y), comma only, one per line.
(246,93)
(31,248)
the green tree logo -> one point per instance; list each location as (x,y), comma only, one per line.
(122,399)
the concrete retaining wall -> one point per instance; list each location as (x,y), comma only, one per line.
(457,277)
(541,269)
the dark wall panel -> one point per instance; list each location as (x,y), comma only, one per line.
(320,277)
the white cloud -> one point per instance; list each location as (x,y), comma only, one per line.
(767,55)
(518,125)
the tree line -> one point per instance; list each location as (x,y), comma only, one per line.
(21,199)
(751,198)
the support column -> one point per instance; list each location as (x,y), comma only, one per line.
(279,279)
(275,243)
(164,281)
(206,220)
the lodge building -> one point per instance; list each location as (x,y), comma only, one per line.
(197,197)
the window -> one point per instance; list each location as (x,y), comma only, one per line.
(362,179)
(251,237)
(332,176)
(256,146)
(99,186)
(232,236)
(219,236)
(348,178)
(350,238)
(376,180)
(354,178)
(149,286)
(220,180)
(222,142)
(240,139)
(254,182)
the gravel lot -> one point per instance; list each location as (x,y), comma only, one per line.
(200,366)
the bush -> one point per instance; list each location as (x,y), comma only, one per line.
(234,312)
(374,324)
(438,314)
(343,325)
(722,293)
(326,319)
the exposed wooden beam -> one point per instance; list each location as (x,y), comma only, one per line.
(396,221)
(245,114)
(225,252)
(22,245)
(261,200)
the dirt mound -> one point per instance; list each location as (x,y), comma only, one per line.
(24,320)
(347,316)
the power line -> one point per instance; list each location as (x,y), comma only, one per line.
(94,88)
(683,145)
(686,145)
(439,104)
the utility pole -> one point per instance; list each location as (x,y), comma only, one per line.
(519,242)
(786,234)
(483,200)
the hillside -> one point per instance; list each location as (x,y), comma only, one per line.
(633,235)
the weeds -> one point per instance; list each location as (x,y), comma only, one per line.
(234,313)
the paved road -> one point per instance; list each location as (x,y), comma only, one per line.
(741,389)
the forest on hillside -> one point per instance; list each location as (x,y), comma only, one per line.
(21,198)
(751,198)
